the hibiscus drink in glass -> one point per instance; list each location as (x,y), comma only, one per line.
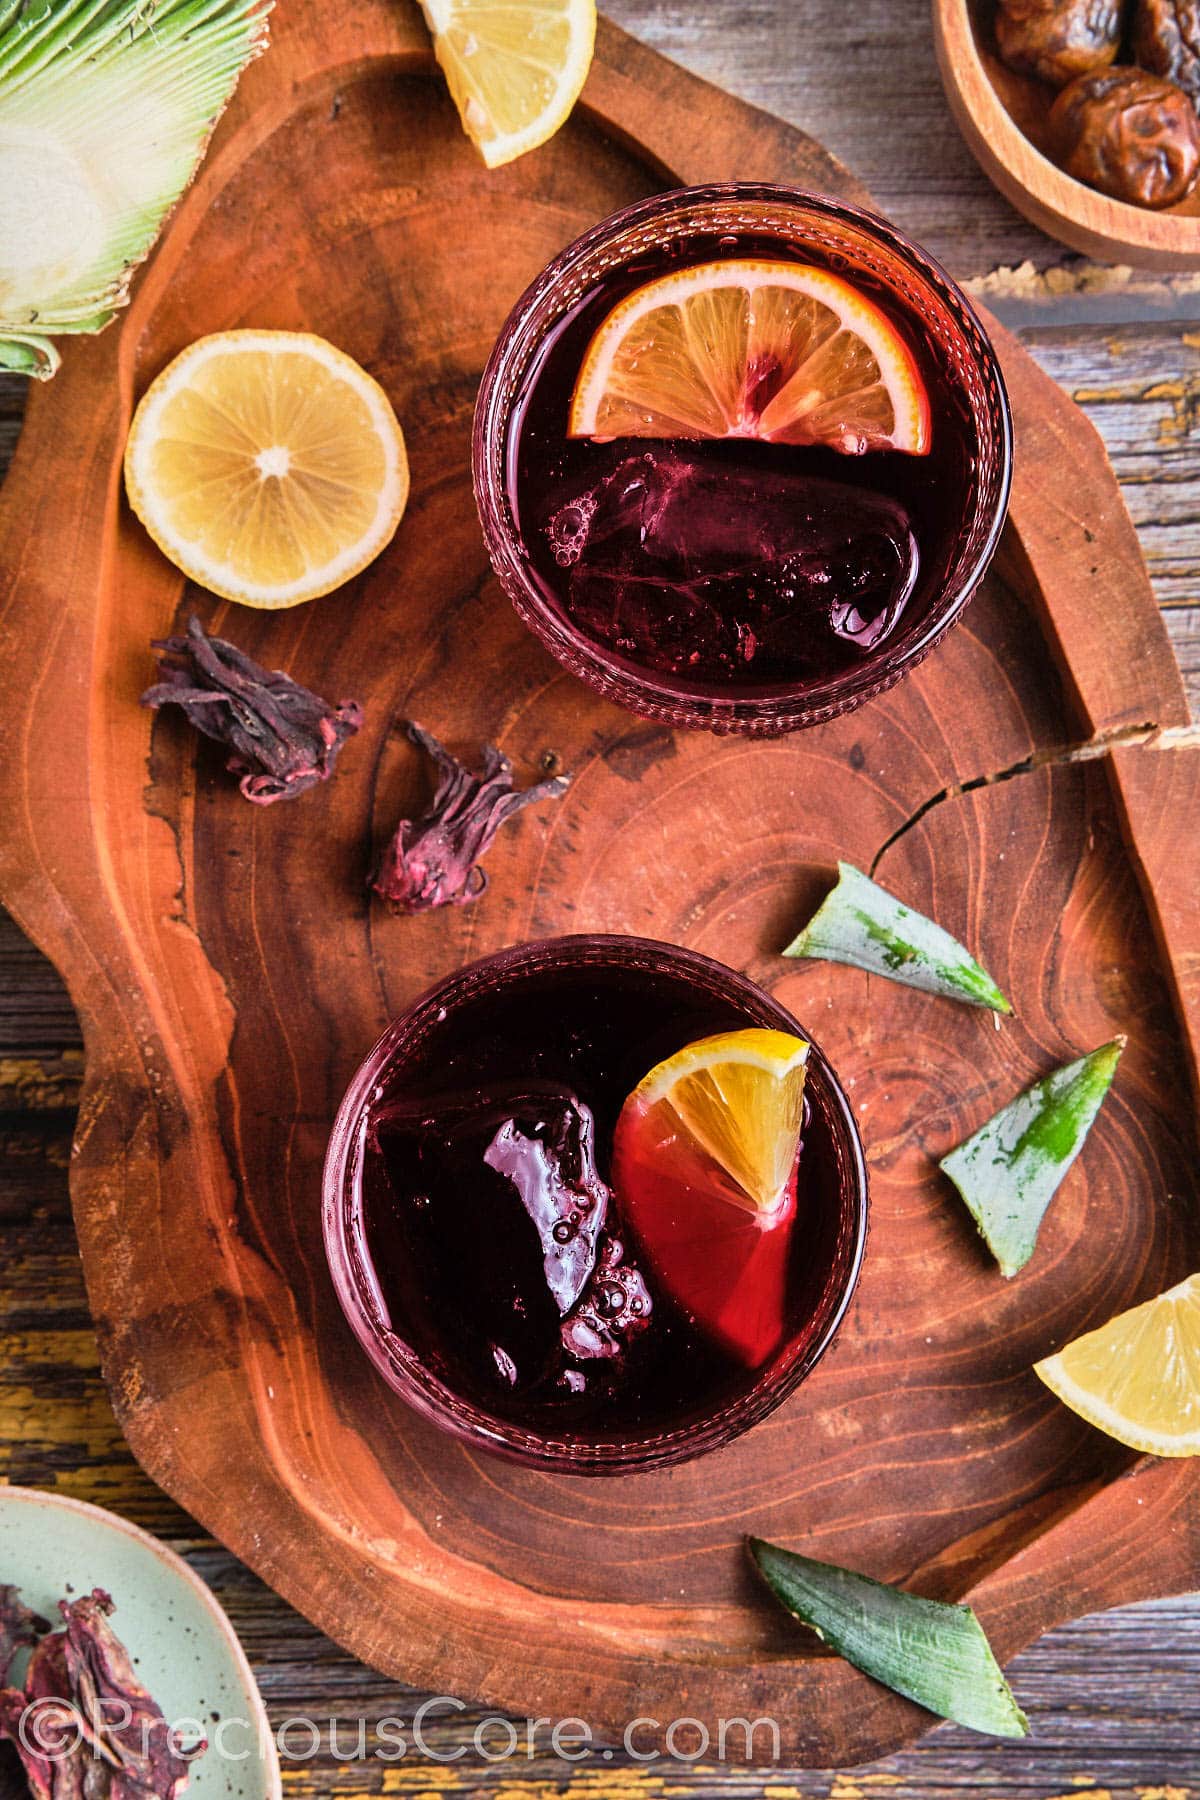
(596,1203)
(741,456)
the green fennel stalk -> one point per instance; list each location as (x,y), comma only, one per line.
(106,107)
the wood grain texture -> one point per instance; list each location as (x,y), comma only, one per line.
(1035,719)
(1112,1699)
(1073,543)
(1004,119)
(1140,386)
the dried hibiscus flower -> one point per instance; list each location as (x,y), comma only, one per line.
(95,1730)
(284,739)
(20,1628)
(434,860)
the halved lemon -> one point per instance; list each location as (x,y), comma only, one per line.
(704,1171)
(267,465)
(514,67)
(778,351)
(1138,1377)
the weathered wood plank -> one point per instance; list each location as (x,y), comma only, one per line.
(1140,386)
(863,81)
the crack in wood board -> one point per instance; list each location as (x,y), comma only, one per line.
(1146,736)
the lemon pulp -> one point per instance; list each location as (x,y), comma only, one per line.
(267,465)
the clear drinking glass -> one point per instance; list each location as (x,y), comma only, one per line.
(600,1010)
(959,491)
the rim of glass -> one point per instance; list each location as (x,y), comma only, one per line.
(435,1400)
(772,709)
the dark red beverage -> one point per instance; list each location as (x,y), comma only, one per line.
(480,1248)
(732,580)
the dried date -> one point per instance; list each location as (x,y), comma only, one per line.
(1057,40)
(1166,40)
(1128,133)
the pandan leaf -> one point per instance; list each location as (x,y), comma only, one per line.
(1012,1167)
(862,924)
(927,1650)
(106,107)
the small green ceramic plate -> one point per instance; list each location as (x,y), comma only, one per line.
(182,1645)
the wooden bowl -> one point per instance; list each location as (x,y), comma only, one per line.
(1004,118)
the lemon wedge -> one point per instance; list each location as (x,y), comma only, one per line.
(1138,1377)
(740,1097)
(514,67)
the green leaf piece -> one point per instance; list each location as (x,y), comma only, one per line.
(862,924)
(106,107)
(29,355)
(1012,1167)
(927,1650)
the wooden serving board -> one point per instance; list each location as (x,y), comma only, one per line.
(230,971)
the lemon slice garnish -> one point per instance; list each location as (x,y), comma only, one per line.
(778,351)
(740,1096)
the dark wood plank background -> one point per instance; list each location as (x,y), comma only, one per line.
(1114,1701)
